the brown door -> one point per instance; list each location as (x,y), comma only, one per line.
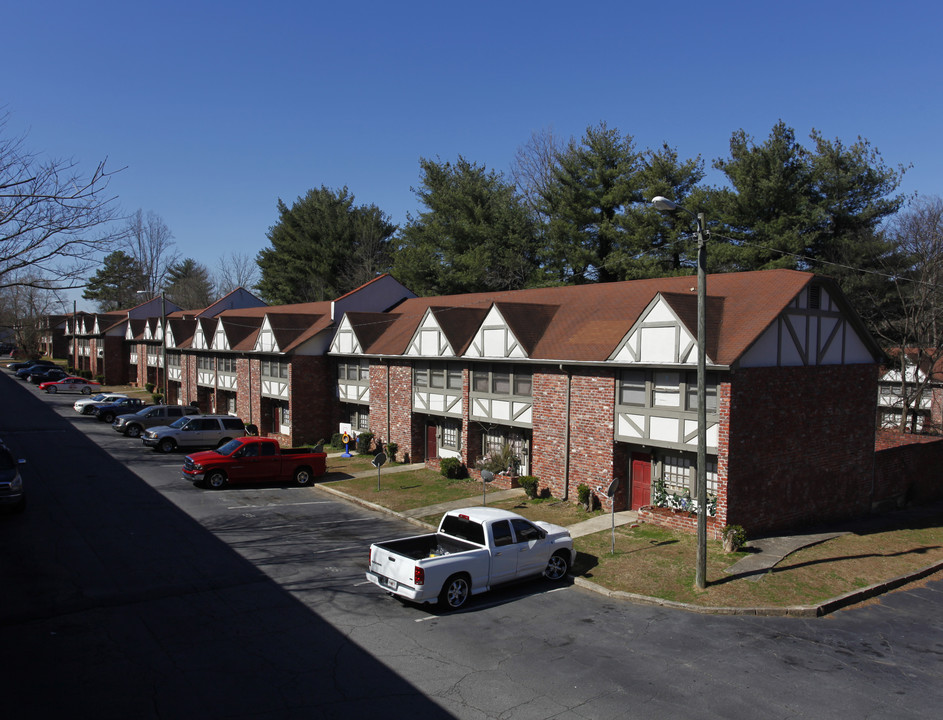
(641,480)
(432,448)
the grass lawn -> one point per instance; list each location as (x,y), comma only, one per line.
(660,563)
(408,490)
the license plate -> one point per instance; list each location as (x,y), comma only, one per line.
(389,582)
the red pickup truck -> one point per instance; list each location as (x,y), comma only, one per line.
(253,460)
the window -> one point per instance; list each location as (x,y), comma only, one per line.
(525,531)
(710,387)
(666,390)
(275,369)
(502,380)
(438,376)
(226,364)
(205,362)
(502,533)
(450,435)
(676,474)
(632,388)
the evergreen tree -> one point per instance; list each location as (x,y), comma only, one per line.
(592,182)
(114,286)
(473,235)
(315,241)
(188,284)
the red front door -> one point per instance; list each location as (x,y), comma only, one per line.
(641,480)
(432,448)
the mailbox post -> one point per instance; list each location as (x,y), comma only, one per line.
(377,462)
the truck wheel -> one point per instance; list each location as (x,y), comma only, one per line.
(557,567)
(134,431)
(303,476)
(108,417)
(166,445)
(454,593)
(216,480)
(51,390)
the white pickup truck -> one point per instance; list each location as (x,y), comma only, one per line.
(473,550)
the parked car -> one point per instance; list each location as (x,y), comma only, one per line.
(69,384)
(194,431)
(134,424)
(12,492)
(84,406)
(16,366)
(473,550)
(108,411)
(40,375)
(252,460)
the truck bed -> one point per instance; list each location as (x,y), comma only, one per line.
(425,546)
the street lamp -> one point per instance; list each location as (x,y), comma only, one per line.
(664,204)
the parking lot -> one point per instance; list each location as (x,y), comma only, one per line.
(128,592)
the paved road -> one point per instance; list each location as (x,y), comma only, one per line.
(127,593)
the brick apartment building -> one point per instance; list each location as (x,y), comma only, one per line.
(597,382)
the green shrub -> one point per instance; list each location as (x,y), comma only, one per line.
(149,387)
(100,379)
(157,398)
(252,429)
(584,495)
(499,461)
(364,443)
(391,449)
(337,440)
(452,468)
(735,537)
(529,483)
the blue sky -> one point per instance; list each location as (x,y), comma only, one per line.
(218,109)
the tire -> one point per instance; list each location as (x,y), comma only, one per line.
(86,390)
(557,567)
(87,410)
(216,480)
(51,389)
(108,417)
(134,431)
(303,476)
(455,592)
(167,445)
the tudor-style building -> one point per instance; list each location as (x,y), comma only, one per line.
(593,383)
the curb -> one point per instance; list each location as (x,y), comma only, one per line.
(801,611)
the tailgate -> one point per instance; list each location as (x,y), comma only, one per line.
(392,568)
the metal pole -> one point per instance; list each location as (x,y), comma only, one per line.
(701,568)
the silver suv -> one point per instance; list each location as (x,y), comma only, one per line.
(194,431)
(133,424)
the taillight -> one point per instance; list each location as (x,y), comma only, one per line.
(370,561)
(419,576)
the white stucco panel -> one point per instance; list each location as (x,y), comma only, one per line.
(631,426)
(663,428)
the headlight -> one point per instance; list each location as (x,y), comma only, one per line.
(197,466)
(17,484)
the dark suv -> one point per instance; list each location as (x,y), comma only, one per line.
(12,492)
(134,424)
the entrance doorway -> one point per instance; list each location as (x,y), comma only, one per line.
(641,480)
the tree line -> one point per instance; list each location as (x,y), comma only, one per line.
(569,211)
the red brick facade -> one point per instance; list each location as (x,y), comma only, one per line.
(799,445)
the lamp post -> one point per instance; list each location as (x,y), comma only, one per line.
(663,203)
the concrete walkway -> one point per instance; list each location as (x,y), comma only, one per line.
(769,552)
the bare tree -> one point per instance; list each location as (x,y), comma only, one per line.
(54,221)
(532,169)
(915,330)
(149,241)
(24,303)
(236,270)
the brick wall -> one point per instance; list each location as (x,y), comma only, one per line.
(399,410)
(593,458)
(800,445)
(312,399)
(907,468)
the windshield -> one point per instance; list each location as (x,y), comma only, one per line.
(229,447)
(182,422)
(100,396)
